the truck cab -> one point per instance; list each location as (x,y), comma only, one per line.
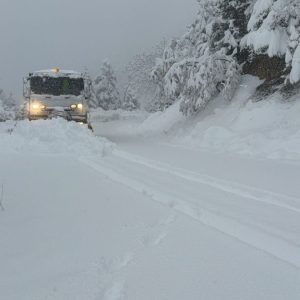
(57,93)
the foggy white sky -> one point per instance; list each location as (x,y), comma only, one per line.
(72,34)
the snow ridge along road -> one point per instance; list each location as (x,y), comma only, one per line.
(262,219)
(224,185)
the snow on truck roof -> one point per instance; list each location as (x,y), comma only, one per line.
(58,73)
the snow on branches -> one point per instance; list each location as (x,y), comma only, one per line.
(105,88)
(202,63)
(2,112)
(197,81)
(8,106)
(274,29)
(130,101)
(138,75)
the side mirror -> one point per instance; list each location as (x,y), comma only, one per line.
(26,87)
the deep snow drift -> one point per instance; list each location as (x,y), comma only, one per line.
(265,129)
(55,136)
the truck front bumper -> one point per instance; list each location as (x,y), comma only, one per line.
(67,114)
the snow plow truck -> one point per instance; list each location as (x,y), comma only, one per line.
(57,93)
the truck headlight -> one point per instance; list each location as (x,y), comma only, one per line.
(37,106)
(77,106)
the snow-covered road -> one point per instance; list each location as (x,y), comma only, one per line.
(149,220)
(261,218)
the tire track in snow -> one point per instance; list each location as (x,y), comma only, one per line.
(259,239)
(238,189)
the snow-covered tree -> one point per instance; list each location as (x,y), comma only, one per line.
(138,73)
(209,76)
(93,101)
(8,101)
(235,15)
(293,51)
(2,112)
(105,88)
(201,64)
(8,106)
(274,30)
(130,101)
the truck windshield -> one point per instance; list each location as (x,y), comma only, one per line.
(56,85)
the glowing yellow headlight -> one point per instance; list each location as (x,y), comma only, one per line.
(76,106)
(35,106)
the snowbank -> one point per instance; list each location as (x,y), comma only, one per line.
(161,122)
(266,129)
(51,137)
(100,115)
(269,130)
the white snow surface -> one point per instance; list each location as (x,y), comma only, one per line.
(275,40)
(55,136)
(61,73)
(265,129)
(154,206)
(295,73)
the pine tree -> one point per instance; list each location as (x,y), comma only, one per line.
(93,101)
(201,64)
(2,112)
(105,88)
(235,17)
(8,106)
(138,71)
(293,51)
(8,102)
(274,30)
(130,101)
